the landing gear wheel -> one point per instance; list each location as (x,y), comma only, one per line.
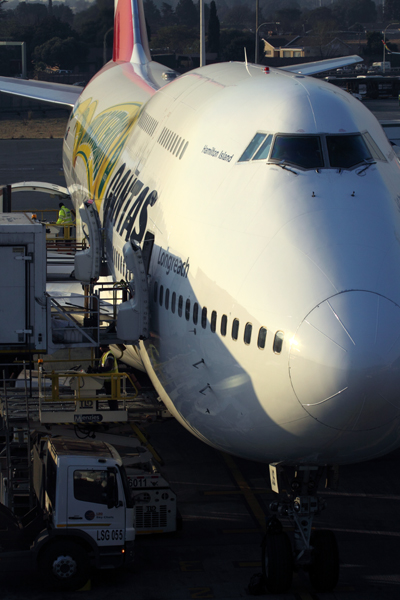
(277,562)
(64,565)
(324,569)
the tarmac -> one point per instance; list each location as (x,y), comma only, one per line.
(224,500)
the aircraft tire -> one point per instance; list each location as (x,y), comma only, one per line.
(324,569)
(64,565)
(277,562)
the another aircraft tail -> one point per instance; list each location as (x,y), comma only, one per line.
(130,34)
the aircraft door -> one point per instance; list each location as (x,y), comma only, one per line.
(88,262)
(133,315)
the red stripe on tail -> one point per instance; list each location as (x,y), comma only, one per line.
(123,32)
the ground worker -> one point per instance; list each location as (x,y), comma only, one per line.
(65,219)
(108,365)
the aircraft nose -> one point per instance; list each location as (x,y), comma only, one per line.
(345,361)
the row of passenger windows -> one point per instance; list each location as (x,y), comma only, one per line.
(200,315)
(314,151)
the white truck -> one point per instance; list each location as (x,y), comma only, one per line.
(84,516)
(381,66)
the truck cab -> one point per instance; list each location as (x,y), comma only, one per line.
(84,515)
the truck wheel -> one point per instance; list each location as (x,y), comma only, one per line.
(64,565)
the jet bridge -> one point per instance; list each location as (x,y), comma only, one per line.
(37,321)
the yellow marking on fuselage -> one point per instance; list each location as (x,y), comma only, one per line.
(100,139)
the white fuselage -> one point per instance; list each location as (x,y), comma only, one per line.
(253,248)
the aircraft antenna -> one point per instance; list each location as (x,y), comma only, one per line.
(245,61)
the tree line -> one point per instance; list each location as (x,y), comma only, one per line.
(57,35)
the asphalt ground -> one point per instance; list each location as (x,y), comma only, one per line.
(224,500)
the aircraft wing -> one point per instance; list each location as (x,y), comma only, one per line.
(319,66)
(44,91)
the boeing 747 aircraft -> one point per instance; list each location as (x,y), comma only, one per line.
(264,208)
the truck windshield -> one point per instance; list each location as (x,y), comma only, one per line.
(299,150)
(91,485)
(346,151)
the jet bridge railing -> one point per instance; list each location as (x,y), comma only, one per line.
(42,214)
(73,320)
(73,398)
(112,295)
(86,320)
(61,238)
(82,387)
(10,382)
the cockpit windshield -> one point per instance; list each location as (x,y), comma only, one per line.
(346,151)
(299,150)
(329,151)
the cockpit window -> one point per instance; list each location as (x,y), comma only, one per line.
(373,147)
(252,147)
(346,151)
(299,150)
(263,151)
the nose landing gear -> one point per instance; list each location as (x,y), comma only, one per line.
(314,551)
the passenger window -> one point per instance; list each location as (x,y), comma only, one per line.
(252,147)
(173,302)
(161,297)
(195,313)
(247,333)
(300,150)
(346,151)
(180,305)
(166,298)
(278,342)
(155,291)
(224,322)
(262,336)
(235,329)
(187,310)
(213,321)
(262,153)
(204,318)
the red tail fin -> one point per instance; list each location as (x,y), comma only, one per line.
(130,34)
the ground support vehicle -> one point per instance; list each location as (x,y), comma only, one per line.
(83,515)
